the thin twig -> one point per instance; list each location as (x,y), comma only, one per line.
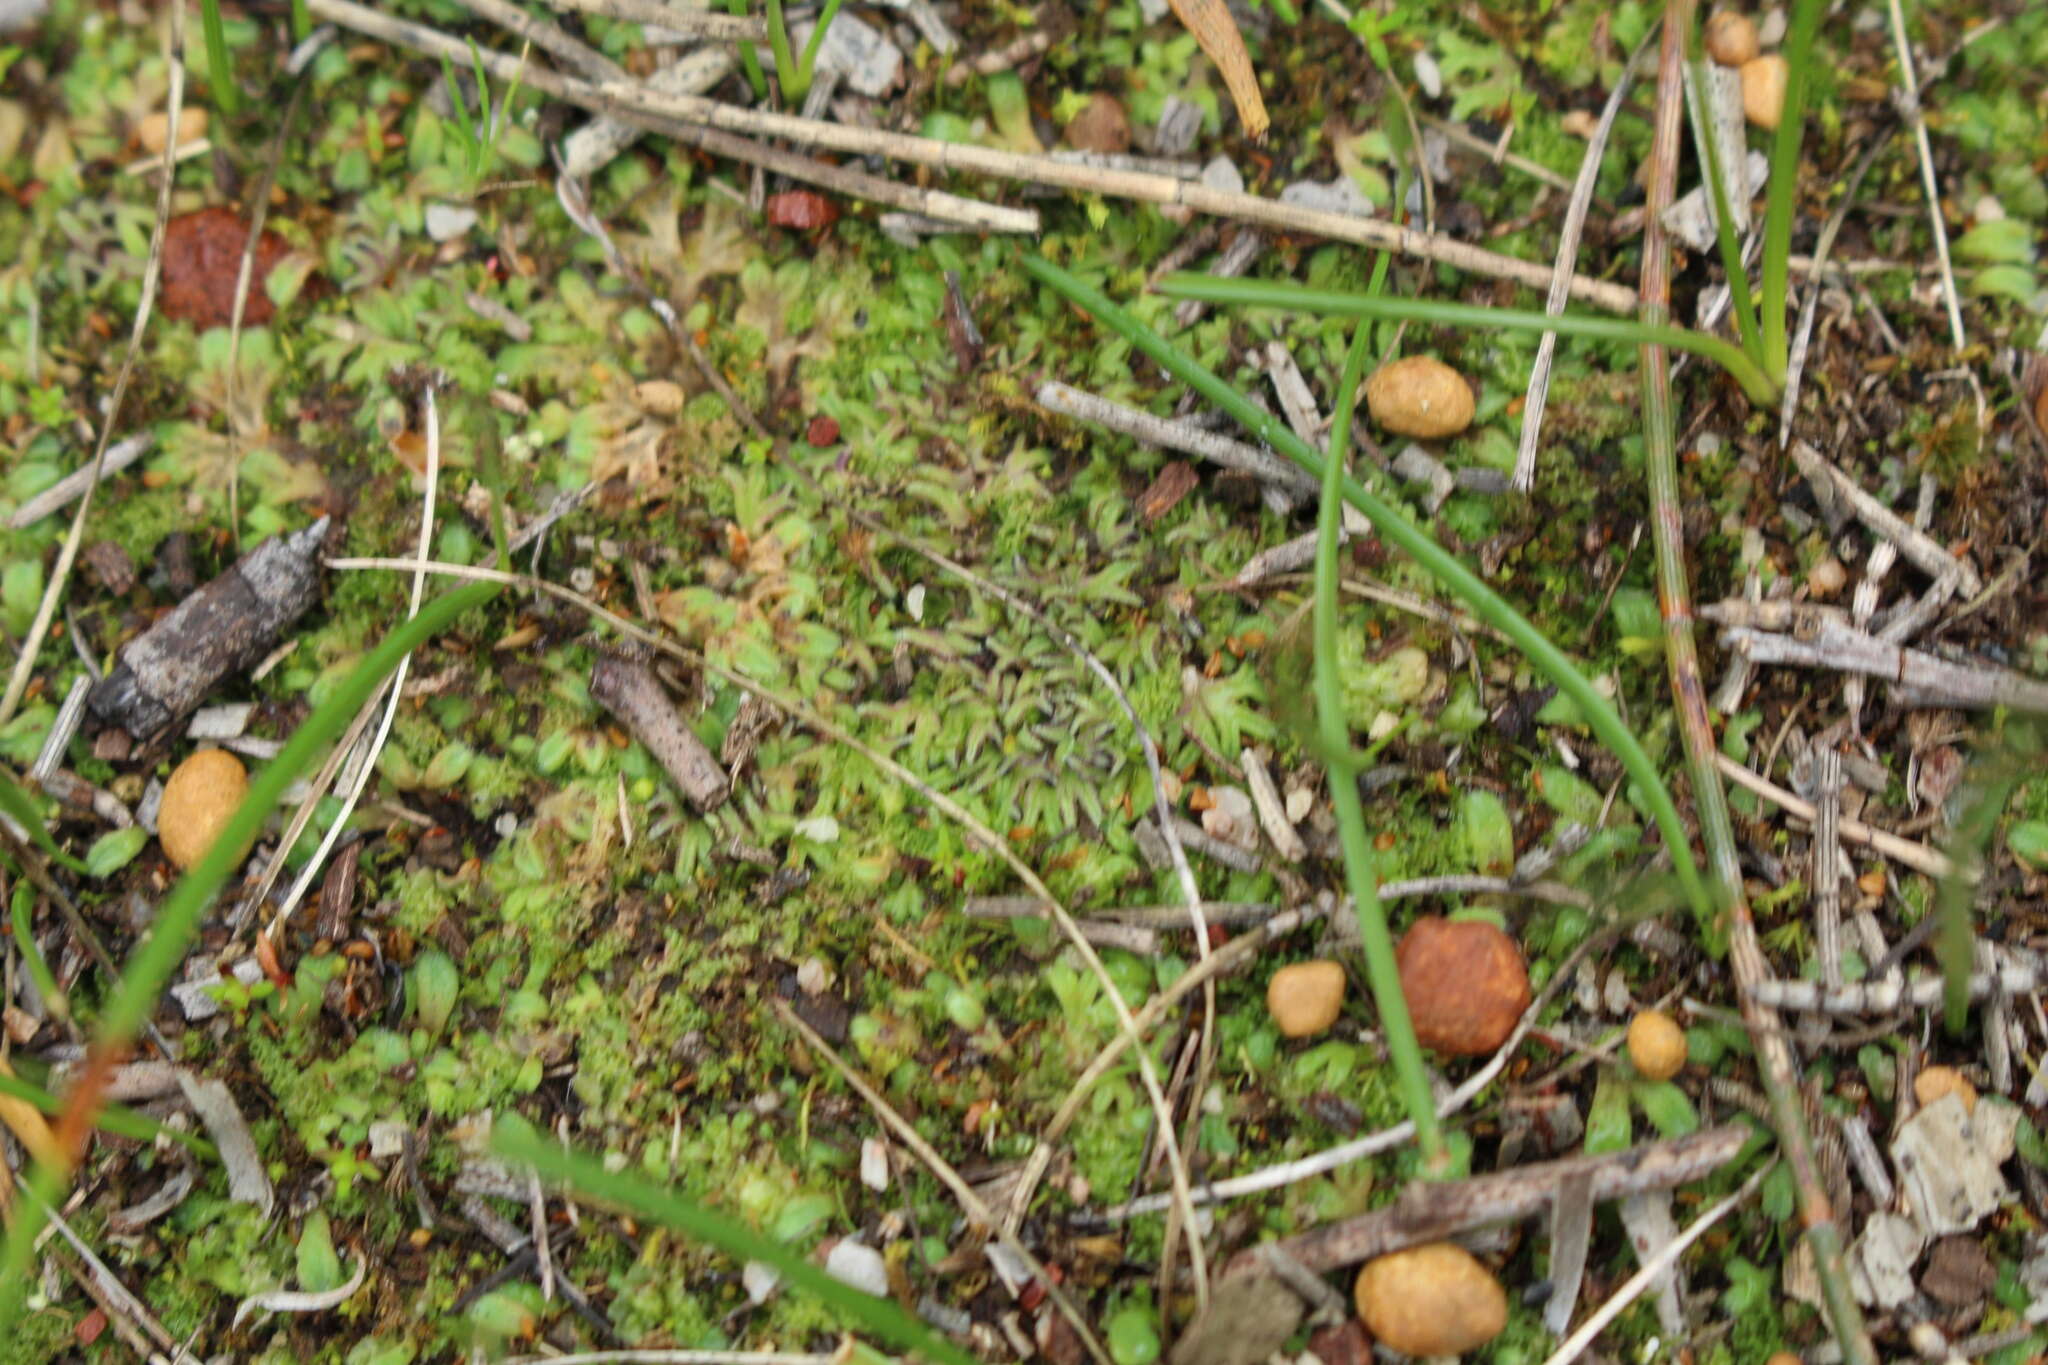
(1538,392)
(1268,468)
(971,1203)
(1429,1211)
(1668,1256)
(119,456)
(618,98)
(1929,555)
(1927,679)
(1909,99)
(677,18)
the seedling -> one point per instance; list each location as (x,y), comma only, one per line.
(479,134)
(792,71)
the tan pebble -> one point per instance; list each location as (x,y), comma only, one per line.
(1656,1044)
(1731,38)
(1580,123)
(203,792)
(1305,998)
(1763,89)
(1420,397)
(1827,576)
(1465,984)
(154,131)
(1937,1081)
(661,397)
(1785,1358)
(1432,1300)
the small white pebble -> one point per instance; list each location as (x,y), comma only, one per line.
(874,1164)
(446,222)
(1429,75)
(858,1266)
(759,1279)
(813,976)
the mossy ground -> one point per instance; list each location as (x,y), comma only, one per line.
(615,955)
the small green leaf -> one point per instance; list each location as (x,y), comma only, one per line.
(1569,795)
(801,1216)
(2001,241)
(1667,1108)
(319,1267)
(1607,1122)
(1489,833)
(1133,1337)
(1778,1196)
(2003,281)
(435,985)
(2028,841)
(115,850)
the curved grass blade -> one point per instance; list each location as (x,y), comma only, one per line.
(177,920)
(21,807)
(1775,280)
(1286,294)
(54,999)
(517,1140)
(1446,568)
(1381,968)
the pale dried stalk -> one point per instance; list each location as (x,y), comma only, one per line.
(119,456)
(1263,465)
(2015,976)
(1826,871)
(1927,679)
(1631,1289)
(619,98)
(1909,95)
(1926,553)
(1430,1211)
(1562,273)
(1919,857)
(690,22)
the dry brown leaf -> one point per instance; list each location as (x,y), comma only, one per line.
(28,1125)
(1216,31)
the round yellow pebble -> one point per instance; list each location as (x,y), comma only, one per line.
(1730,38)
(153,132)
(1936,1081)
(202,793)
(1432,1300)
(1656,1044)
(1763,89)
(1305,998)
(1420,397)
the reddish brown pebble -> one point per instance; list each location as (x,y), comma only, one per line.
(822,431)
(1431,1300)
(203,792)
(1347,1343)
(1101,127)
(801,210)
(1465,983)
(203,258)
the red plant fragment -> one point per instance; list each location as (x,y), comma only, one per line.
(822,431)
(801,210)
(203,257)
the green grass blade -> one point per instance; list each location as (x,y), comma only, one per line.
(1741,302)
(177,919)
(113,1118)
(785,64)
(220,72)
(1406,536)
(302,21)
(807,64)
(1784,186)
(1955,943)
(16,802)
(1285,294)
(32,957)
(1360,866)
(517,1140)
